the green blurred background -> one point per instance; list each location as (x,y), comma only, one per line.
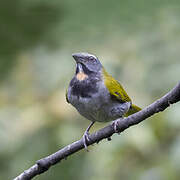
(137,41)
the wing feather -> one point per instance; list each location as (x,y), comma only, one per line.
(115,88)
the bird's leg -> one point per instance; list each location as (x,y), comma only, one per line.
(86,135)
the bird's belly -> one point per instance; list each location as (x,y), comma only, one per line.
(96,108)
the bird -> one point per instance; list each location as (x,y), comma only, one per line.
(96,95)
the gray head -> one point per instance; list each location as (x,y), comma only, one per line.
(87,62)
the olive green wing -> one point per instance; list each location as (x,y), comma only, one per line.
(115,88)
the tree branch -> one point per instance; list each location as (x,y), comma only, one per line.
(44,164)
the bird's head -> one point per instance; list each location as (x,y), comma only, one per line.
(86,64)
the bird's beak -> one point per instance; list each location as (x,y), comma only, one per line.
(79,57)
(76,56)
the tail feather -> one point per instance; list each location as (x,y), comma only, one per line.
(133,109)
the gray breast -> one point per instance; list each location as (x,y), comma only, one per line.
(99,106)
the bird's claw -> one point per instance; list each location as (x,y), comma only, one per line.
(115,126)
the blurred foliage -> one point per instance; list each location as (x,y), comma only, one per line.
(24,24)
(138,43)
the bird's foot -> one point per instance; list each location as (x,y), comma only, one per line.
(115,126)
(85,139)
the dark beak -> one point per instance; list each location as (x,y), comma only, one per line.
(76,55)
(79,57)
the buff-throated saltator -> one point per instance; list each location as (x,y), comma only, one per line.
(97,95)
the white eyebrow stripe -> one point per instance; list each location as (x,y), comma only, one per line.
(93,56)
(89,55)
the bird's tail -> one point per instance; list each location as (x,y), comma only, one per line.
(133,109)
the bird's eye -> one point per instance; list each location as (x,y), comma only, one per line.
(91,58)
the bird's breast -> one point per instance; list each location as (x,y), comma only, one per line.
(83,86)
(90,99)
